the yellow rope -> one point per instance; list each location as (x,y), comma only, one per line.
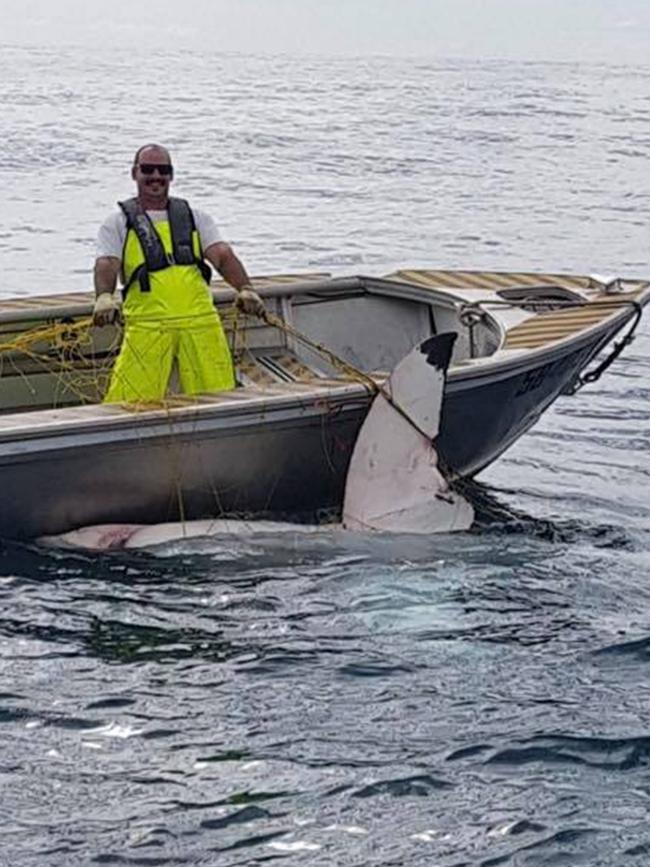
(45,335)
(65,351)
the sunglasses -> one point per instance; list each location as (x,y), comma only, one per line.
(165,169)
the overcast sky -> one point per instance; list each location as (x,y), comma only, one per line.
(612,30)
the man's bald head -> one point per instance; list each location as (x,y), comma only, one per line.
(143,151)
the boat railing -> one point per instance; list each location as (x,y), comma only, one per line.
(222,296)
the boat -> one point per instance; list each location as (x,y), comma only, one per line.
(278,446)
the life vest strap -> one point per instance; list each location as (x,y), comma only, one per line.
(141,274)
(181,221)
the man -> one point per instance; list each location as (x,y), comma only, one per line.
(157,245)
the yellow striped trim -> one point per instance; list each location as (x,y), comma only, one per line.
(490,281)
(560,324)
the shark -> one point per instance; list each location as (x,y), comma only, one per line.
(394,484)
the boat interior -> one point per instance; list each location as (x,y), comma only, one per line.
(48,361)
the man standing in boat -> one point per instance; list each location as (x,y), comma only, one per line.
(158,245)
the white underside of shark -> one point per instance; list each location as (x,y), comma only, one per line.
(394,482)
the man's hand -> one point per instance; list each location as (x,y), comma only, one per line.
(248,301)
(106,309)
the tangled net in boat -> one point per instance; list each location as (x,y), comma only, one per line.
(70,362)
(52,365)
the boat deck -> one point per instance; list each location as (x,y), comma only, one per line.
(492,281)
(546,328)
(593,305)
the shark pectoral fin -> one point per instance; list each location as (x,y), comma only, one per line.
(394,482)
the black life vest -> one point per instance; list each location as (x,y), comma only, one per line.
(182,227)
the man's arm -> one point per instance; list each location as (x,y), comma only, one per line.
(223,257)
(107,269)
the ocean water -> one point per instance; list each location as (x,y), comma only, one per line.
(476,699)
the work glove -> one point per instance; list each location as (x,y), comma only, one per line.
(106,309)
(248,301)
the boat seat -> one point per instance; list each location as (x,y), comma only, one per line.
(490,281)
(560,324)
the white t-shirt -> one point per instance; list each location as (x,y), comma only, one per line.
(112,233)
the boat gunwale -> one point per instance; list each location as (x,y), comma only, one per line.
(221,296)
(507,358)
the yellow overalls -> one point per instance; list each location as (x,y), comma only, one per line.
(175,321)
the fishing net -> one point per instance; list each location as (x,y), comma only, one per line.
(69,362)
